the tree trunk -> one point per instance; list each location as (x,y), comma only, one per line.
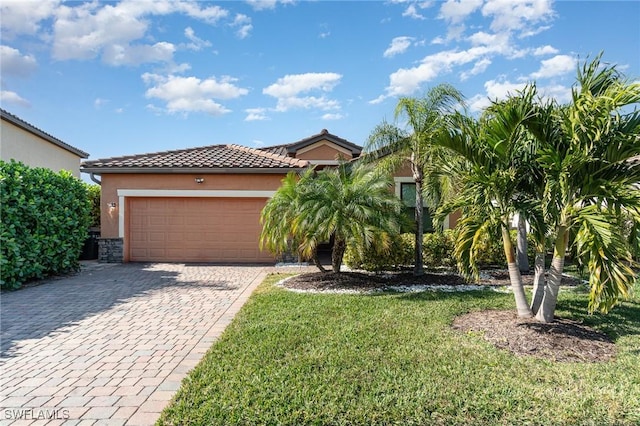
(316,261)
(418,177)
(538,281)
(550,297)
(514,276)
(339,247)
(523,260)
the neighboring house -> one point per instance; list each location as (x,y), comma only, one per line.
(199,204)
(26,143)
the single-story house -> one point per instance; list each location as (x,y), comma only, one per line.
(201,204)
(26,143)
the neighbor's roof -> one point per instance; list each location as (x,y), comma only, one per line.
(290,149)
(212,159)
(7,116)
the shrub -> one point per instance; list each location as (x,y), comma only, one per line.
(45,216)
(93,191)
(437,248)
(374,259)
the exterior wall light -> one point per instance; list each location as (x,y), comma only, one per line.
(199,180)
(112,205)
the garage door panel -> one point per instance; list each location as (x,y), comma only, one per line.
(195,230)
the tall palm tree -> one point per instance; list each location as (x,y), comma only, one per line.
(350,204)
(590,182)
(409,143)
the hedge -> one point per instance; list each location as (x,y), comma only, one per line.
(44,221)
(437,251)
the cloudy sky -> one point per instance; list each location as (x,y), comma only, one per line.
(141,76)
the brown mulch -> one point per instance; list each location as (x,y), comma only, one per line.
(563,340)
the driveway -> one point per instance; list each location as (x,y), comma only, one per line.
(111,344)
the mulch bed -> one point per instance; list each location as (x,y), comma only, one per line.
(563,340)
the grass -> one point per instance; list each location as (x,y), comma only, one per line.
(295,359)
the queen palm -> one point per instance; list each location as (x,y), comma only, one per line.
(350,204)
(392,146)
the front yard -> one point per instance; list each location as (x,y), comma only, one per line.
(392,358)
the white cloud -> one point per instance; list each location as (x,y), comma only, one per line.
(243,24)
(558,65)
(117,55)
(24,17)
(521,14)
(330,116)
(94,29)
(262,4)
(294,84)
(456,11)
(560,93)
(324,34)
(398,45)
(190,94)
(99,102)
(9,97)
(14,63)
(478,68)
(256,114)
(497,90)
(292,91)
(196,42)
(545,50)
(412,12)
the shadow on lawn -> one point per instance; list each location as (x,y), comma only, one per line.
(36,311)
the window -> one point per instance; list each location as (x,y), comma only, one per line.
(408,197)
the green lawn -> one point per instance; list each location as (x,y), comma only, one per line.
(295,359)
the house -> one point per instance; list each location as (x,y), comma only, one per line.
(199,204)
(202,204)
(26,143)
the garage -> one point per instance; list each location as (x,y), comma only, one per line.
(201,229)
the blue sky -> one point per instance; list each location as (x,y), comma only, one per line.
(142,76)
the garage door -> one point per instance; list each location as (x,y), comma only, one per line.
(195,230)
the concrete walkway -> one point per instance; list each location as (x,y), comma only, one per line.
(111,345)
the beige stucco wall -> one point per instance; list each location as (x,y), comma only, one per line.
(112,182)
(323,150)
(20,145)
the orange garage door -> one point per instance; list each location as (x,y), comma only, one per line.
(195,230)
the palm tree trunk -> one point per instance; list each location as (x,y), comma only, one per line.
(514,276)
(550,298)
(417,268)
(316,261)
(523,260)
(339,247)
(538,281)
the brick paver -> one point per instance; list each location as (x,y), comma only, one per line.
(111,344)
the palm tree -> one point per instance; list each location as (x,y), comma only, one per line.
(392,147)
(590,182)
(350,204)
(494,148)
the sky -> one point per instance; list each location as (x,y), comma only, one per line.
(130,77)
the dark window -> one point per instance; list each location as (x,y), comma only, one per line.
(408,197)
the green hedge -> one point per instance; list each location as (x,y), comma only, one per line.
(44,221)
(437,251)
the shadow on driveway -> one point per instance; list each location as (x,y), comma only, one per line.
(37,311)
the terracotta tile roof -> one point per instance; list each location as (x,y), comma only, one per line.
(227,157)
(292,148)
(17,121)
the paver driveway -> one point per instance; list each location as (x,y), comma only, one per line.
(111,344)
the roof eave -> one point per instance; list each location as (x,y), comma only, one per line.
(37,132)
(175,170)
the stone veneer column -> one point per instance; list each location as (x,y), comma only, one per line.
(110,250)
